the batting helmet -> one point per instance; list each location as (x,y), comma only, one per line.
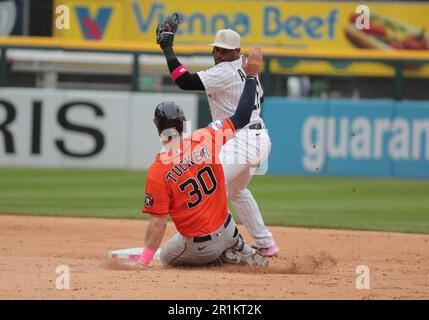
(169,115)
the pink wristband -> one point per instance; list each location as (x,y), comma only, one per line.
(146,256)
(180,70)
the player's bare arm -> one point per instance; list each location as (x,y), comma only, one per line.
(179,73)
(244,110)
(154,234)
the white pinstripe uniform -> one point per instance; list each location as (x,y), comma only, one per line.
(224,84)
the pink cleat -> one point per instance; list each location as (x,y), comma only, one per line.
(272,251)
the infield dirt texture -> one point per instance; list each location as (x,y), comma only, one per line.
(313,264)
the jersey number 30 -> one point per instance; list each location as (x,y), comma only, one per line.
(196,187)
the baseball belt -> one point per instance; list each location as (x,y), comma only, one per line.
(209,237)
(256,126)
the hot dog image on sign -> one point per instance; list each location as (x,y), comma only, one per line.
(386,33)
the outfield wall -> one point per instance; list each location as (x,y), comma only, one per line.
(86,129)
(101,129)
(350,138)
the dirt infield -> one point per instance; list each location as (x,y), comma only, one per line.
(314,264)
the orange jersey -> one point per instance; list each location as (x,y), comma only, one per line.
(188,182)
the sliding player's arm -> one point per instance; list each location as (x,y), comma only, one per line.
(157,204)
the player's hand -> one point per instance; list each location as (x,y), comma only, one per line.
(166,30)
(253,63)
(164,38)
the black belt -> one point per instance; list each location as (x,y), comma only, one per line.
(209,237)
(256,126)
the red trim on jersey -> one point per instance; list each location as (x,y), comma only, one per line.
(179,71)
(230,124)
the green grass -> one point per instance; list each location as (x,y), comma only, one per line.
(348,203)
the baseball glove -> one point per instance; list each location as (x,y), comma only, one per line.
(166,30)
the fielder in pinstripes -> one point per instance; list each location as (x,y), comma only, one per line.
(223,84)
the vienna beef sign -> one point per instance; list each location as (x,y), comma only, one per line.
(272,23)
(342,25)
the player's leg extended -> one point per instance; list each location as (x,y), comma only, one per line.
(247,208)
(238,175)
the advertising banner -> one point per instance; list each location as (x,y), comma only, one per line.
(269,23)
(304,24)
(88,129)
(348,138)
(11,17)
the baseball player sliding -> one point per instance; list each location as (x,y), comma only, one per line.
(187,182)
(251,146)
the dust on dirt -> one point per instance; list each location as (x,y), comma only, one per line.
(313,264)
